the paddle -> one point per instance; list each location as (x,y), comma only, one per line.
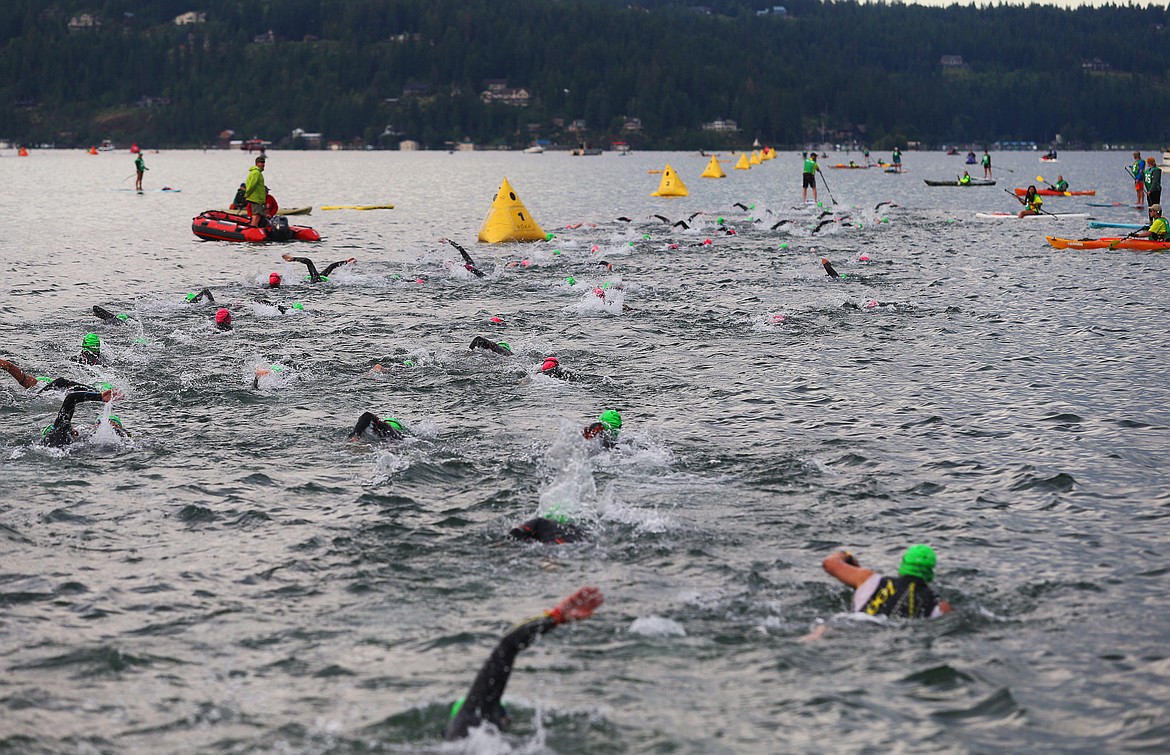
(1051,187)
(826,183)
(1114,244)
(1021,200)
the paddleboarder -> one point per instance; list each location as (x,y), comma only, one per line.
(809,177)
(1137,170)
(139,168)
(1153,181)
(1033,203)
(986,164)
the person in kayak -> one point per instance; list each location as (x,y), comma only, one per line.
(1153,179)
(605,429)
(908,595)
(479,342)
(986,164)
(1033,202)
(256,193)
(61,432)
(809,177)
(1157,229)
(314,276)
(381,429)
(1061,185)
(482,702)
(1137,170)
(139,168)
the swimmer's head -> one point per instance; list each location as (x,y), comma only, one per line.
(298,305)
(600,292)
(274,279)
(778,318)
(571,281)
(918,561)
(611,419)
(496,320)
(91,342)
(223,318)
(191,296)
(123,317)
(505,346)
(550,363)
(393,423)
(116,422)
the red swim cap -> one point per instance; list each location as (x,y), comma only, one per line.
(222,316)
(274,279)
(549,364)
(496,321)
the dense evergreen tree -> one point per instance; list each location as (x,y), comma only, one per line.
(378,71)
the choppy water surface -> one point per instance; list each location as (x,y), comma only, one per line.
(239,578)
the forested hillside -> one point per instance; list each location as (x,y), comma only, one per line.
(375,72)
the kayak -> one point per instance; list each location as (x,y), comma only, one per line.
(1140,245)
(217,225)
(1045,216)
(357,207)
(1126,226)
(1116,204)
(974,182)
(854,166)
(1055,193)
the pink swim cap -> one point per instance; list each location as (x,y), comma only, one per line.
(594,248)
(496,320)
(863,258)
(525,263)
(778,317)
(274,279)
(871,303)
(706,241)
(223,317)
(600,293)
(549,364)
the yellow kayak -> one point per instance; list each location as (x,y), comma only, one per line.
(357,207)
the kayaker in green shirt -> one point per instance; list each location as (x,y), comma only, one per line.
(1158,228)
(1061,185)
(256,193)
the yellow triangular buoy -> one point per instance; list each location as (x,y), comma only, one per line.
(508,219)
(671,185)
(713,170)
(755,158)
(769,154)
(743,163)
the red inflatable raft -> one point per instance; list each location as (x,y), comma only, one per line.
(217,225)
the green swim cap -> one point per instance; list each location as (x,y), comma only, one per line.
(549,236)
(505,345)
(571,281)
(393,423)
(556,252)
(611,419)
(918,561)
(91,342)
(407,363)
(455,706)
(298,305)
(123,317)
(607,284)
(190,297)
(114,420)
(104,386)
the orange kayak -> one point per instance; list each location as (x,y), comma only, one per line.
(1139,245)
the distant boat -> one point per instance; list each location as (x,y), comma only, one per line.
(107,146)
(535,149)
(585,151)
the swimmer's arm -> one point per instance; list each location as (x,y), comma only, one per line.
(336,265)
(845,568)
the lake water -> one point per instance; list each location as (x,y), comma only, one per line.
(238,578)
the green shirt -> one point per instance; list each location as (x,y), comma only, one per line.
(254,189)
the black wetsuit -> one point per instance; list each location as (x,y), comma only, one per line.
(88,357)
(60,433)
(108,316)
(384,430)
(204,294)
(483,699)
(281,307)
(544,530)
(40,386)
(479,342)
(607,437)
(468,263)
(557,372)
(314,276)
(830,269)
(907,597)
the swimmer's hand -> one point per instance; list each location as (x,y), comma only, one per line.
(578,606)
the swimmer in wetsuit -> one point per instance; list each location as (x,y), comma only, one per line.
(314,276)
(479,342)
(91,350)
(605,428)
(382,429)
(108,316)
(482,702)
(468,263)
(41,384)
(908,595)
(283,308)
(61,432)
(204,294)
(552,368)
(223,319)
(551,530)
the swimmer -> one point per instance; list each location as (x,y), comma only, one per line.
(907,595)
(551,530)
(119,428)
(479,342)
(281,307)
(468,263)
(605,428)
(314,276)
(274,280)
(107,316)
(61,432)
(223,319)
(91,350)
(382,429)
(829,268)
(552,368)
(41,384)
(204,294)
(482,702)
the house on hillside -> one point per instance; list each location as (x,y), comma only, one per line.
(85,22)
(952,61)
(191,17)
(722,126)
(497,90)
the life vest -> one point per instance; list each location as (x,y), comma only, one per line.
(810,166)
(901,596)
(1158,229)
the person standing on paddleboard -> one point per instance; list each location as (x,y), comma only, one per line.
(986,164)
(1153,181)
(140,168)
(809,177)
(1137,170)
(256,193)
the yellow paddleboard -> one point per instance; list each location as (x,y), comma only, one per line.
(357,207)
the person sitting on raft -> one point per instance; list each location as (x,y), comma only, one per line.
(479,342)
(1157,229)
(482,702)
(41,384)
(1033,202)
(605,428)
(382,429)
(908,595)
(468,263)
(239,202)
(553,529)
(61,432)
(314,276)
